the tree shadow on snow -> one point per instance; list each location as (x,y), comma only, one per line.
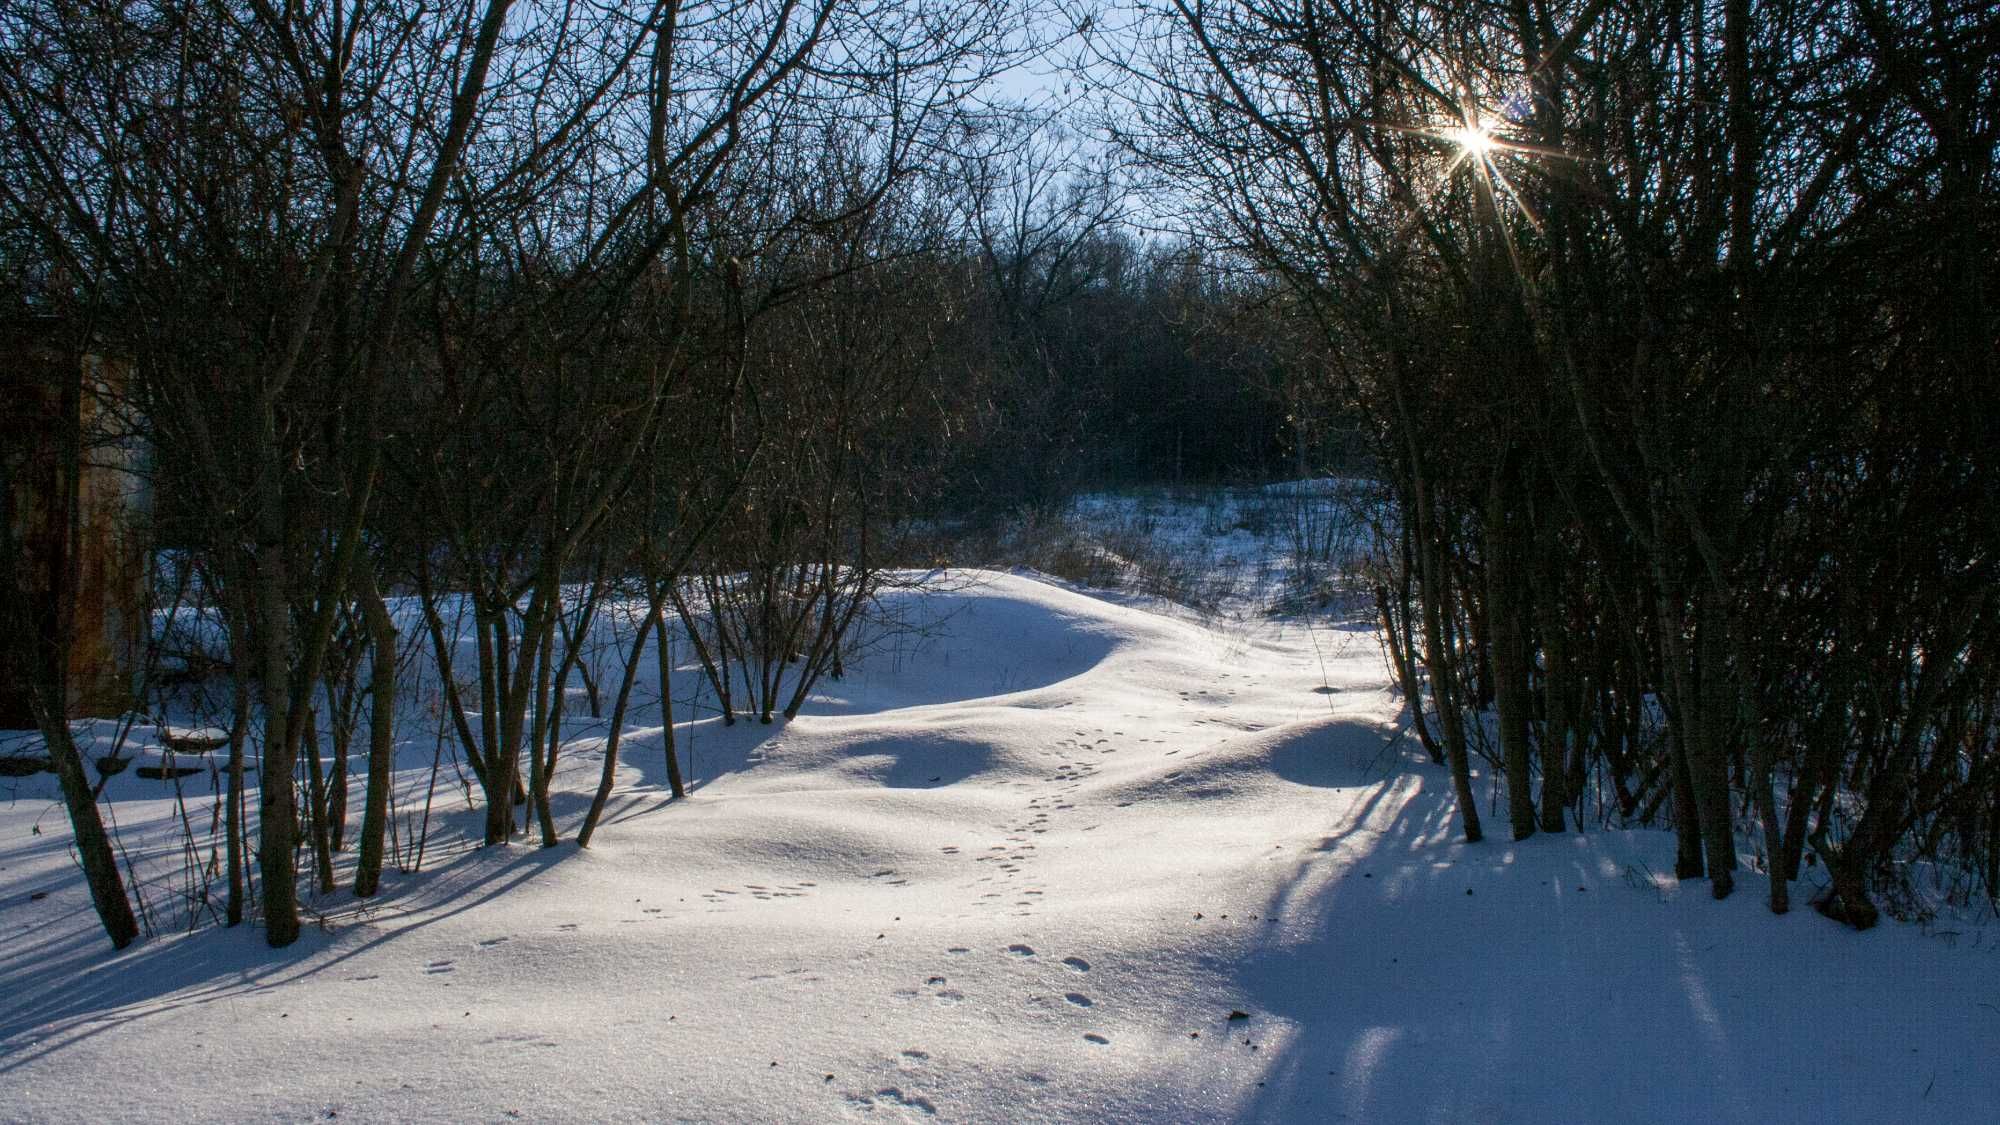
(58,993)
(1408,976)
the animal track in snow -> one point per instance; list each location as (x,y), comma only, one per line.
(1077,963)
(1019,950)
(1079,999)
(892,1098)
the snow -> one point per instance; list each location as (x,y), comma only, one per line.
(1022,864)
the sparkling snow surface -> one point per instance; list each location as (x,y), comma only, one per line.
(1024,869)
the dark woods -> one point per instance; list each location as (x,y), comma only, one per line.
(1673,324)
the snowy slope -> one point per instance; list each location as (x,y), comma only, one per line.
(1024,871)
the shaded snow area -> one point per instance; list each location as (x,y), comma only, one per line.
(1024,868)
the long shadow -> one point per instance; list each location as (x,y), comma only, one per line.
(1404,975)
(65,991)
(56,992)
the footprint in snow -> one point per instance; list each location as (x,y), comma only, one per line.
(892,1098)
(958,949)
(493,941)
(1093,1037)
(1079,999)
(1019,950)
(1077,963)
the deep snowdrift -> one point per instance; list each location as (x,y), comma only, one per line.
(1025,870)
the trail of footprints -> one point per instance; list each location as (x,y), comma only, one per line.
(911,1062)
(1078,759)
(723,897)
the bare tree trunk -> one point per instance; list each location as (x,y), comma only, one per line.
(441,652)
(93,846)
(610,774)
(239,731)
(663,653)
(381,739)
(1444,688)
(343,703)
(277,818)
(1558,733)
(1406,673)
(316,804)
(715,664)
(1708,760)
(1508,651)
(547,728)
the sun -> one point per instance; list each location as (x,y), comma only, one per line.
(1474,142)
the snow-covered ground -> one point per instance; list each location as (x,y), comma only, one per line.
(1062,859)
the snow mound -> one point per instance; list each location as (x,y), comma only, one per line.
(1037,857)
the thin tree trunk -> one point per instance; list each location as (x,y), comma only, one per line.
(381,739)
(277,819)
(316,804)
(1406,674)
(93,846)
(547,727)
(1708,761)
(714,664)
(1557,734)
(239,730)
(1508,652)
(663,655)
(610,774)
(1444,688)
